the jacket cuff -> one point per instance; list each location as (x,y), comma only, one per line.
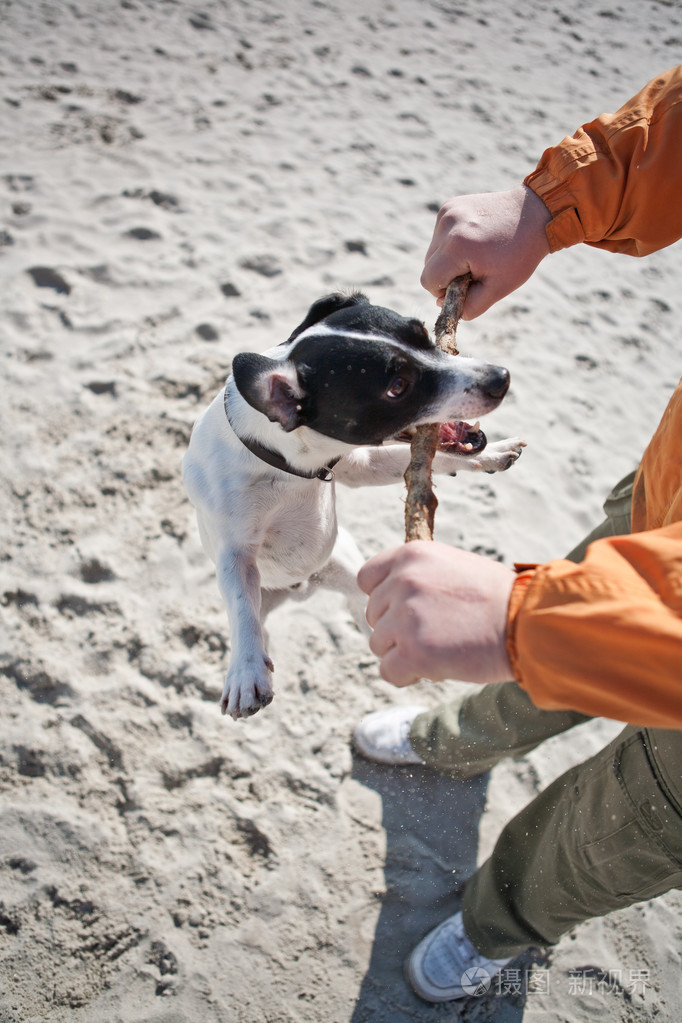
(518,595)
(565,228)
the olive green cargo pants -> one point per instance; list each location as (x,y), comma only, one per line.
(604,835)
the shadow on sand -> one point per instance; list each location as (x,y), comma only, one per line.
(431,824)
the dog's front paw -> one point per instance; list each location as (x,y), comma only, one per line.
(247,688)
(500,454)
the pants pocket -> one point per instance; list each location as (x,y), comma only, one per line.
(638,852)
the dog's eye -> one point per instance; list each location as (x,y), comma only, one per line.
(398,387)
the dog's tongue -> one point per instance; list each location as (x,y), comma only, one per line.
(462,438)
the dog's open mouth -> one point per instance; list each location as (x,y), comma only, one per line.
(455,438)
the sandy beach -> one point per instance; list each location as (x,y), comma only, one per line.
(178,182)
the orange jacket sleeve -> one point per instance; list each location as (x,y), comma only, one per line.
(616,182)
(605,637)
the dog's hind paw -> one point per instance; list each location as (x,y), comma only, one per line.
(247,690)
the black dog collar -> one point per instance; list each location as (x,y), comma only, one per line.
(278,461)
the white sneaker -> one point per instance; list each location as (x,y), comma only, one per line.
(384,736)
(445,965)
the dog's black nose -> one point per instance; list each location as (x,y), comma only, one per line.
(496,383)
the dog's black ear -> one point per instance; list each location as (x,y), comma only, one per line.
(271,387)
(324,307)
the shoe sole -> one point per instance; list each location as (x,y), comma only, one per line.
(433,999)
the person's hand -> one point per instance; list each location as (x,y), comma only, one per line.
(438,612)
(497,236)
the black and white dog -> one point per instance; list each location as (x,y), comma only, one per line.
(336,402)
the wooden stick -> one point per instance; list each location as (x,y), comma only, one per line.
(421,504)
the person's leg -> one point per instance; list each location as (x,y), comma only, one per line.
(604,835)
(617,509)
(471,733)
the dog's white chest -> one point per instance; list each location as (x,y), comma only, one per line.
(298,535)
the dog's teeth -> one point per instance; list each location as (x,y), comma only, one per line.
(467,447)
(476,427)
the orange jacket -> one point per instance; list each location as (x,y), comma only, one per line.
(605,637)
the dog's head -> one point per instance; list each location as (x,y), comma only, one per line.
(363,374)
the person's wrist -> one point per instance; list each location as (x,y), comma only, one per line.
(504,670)
(535,217)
